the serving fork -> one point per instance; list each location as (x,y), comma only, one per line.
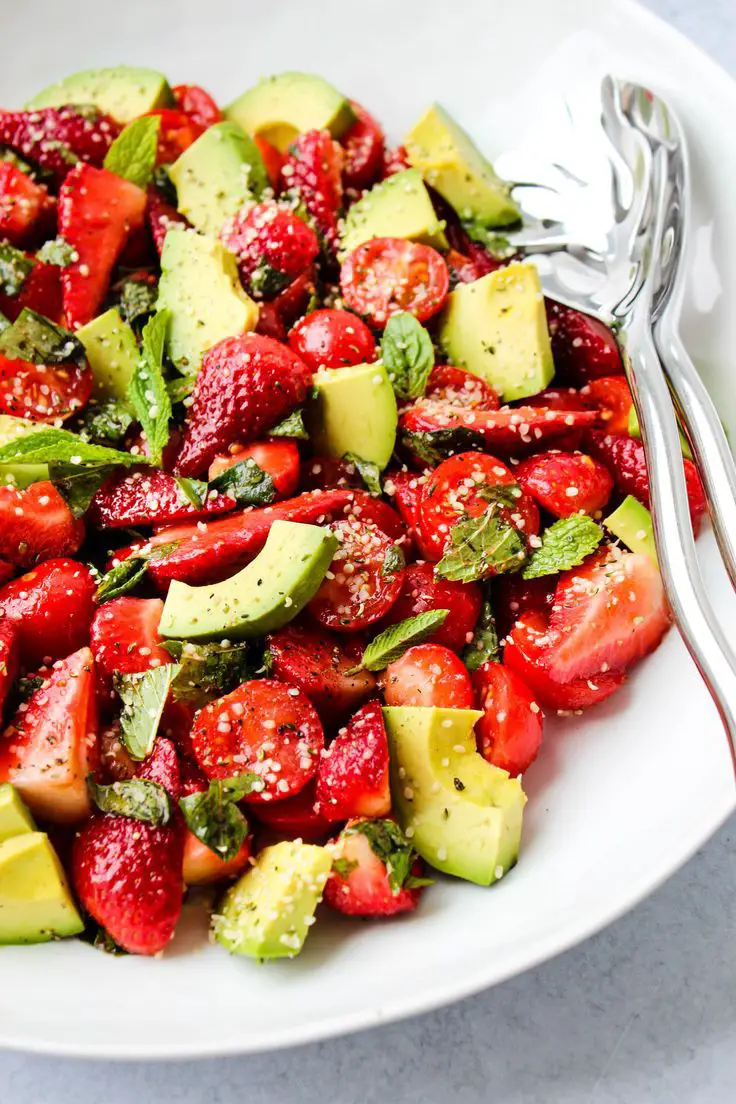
(629,272)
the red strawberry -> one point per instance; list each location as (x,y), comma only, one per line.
(36,524)
(43,392)
(459,387)
(124,636)
(161,216)
(195,102)
(361,883)
(41,292)
(176,723)
(323,473)
(510,730)
(272,244)
(394,161)
(97,212)
(245,386)
(56,138)
(422,591)
(527,651)
(313,170)
(514,597)
(145,496)
(9,658)
(508,431)
(276,318)
(607,614)
(364,148)
(278,458)
(298,817)
(7,571)
(406,489)
(273,160)
(611,397)
(318,662)
(557,398)
(352,780)
(565,483)
(177,132)
(128,876)
(582,347)
(116,764)
(162,766)
(51,744)
(626,460)
(23,204)
(52,608)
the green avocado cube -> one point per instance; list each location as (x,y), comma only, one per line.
(399,207)
(354,410)
(280,107)
(632,523)
(36,904)
(15,819)
(123,91)
(112,354)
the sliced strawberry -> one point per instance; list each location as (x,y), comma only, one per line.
(50,745)
(313,170)
(514,597)
(146,496)
(372,861)
(611,397)
(279,459)
(357,591)
(318,662)
(9,658)
(162,766)
(198,104)
(428,675)
(273,160)
(97,212)
(332,339)
(52,608)
(527,651)
(41,292)
(299,817)
(36,524)
(177,132)
(116,764)
(176,724)
(202,866)
(125,637)
(322,473)
(565,483)
(508,431)
(272,244)
(7,571)
(406,489)
(275,318)
(422,591)
(128,876)
(265,727)
(364,147)
(462,269)
(510,731)
(245,386)
(353,772)
(459,387)
(395,160)
(607,614)
(161,216)
(43,392)
(23,204)
(557,398)
(626,460)
(582,347)
(57,137)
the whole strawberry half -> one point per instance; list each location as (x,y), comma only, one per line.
(56,138)
(273,246)
(352,780)
(583,348)
(149,497)
(36,524)
(565,483)
(313,171)
(52,608)
(374,872)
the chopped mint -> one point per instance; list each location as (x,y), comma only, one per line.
(137,798)
(291,426)
(137,300)
(265,282)
(433,446)
(36,340)
(564,545)
(393,561)
(194,490)
(14,269)
(143,697)
(58,446)
(133,153)
(214,817)
(147,391)
(497,245)
(207,671)
(391,846)
(57,252)
(105,421)
(485,545)
(484,645)
(78,485)
(395,640)
(407,355)
(369,472)
(119,580)
(248,484)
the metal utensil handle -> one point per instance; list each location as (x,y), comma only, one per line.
(675,542)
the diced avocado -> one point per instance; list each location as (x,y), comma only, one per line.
(215,176)
(462,815)
(35,902)
(287,104)
(20,475)
(15,820)
(123,91)
(452,164)
(270,909)
(200,286)
(262,597)
(112,354)
(496,327)
(399,207)
(632,524)
(635,431)
(354,410)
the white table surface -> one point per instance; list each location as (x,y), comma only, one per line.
(644,1012)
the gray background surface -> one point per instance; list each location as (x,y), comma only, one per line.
(644,1012)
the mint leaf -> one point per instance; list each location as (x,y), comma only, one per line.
(390,845)
(143,696)
(482,546)
(433,446)
(49,446)
(57,252)
(369,472)
(395,640)
(497,245)
(214,817)
(14,269)
(484,645)
(36,340)
(291,426)
(133,153)
(407,355)
(147,390)
(137,300)
(104,421)
(265,282)
(564,545)
(137,798)
(248,484)
(207,671)
(393,561)
(194,490)
(119,580)
(78,485)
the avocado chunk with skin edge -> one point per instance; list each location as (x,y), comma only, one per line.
(496,327)
(266,594)
(122,91)
(398,207)
(112,354)
(36,904)
(15,818)
(353,410)
(282,106)
(463,815)
(632,523)
(270,909)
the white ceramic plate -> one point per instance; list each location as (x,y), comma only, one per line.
(620,798)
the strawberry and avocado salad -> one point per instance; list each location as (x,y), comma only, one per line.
(311,507)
